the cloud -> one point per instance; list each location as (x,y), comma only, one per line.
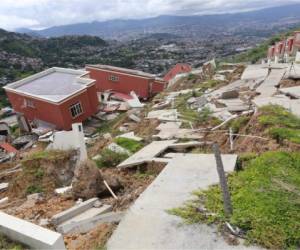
(46,13)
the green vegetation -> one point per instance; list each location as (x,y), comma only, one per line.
(209,84)
(7,244)
(184,109)
(265,198)
(280,124)
(32,189)
(129,144)
(48,155)
(111,126)
(238,123)
(110,159)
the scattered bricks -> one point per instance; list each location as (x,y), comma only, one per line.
(27,233)
(73,211)
(87,224)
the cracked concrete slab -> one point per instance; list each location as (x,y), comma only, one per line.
(147,225)
(151,152)
(292,91)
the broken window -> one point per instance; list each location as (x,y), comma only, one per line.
(29,103)
(113,78)
(76,110)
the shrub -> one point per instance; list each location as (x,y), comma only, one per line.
(238,123)
(110,158)
(32,189)
(129,144)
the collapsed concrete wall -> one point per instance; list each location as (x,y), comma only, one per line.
(67,140)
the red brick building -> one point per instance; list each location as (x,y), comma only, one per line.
(56,96)
(125,80)
(179,68)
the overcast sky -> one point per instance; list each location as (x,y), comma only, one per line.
(46,13)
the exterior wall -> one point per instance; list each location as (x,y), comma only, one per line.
(158,86)
(125,84)
(88,106)
(57,114)
(297,38)
(179,68)
(74,139)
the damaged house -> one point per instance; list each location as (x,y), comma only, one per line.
(124,81)
(58,97)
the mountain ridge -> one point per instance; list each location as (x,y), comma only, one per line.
(188,25)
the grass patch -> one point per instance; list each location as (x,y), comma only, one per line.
(184,109)
(111,126)
(209,84)
(5,243)
(32,189)
(110,159)
(238,123)
(280,124)
(48,154)
(129,144)
(265,199)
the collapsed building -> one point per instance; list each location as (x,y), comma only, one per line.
(124,81)
(56,96)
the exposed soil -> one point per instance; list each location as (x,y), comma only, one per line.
(43,208)
(134,182)
(95,239)
(286,83)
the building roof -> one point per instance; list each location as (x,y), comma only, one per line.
(54,84)
(124,70)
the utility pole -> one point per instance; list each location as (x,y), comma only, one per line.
(223,181)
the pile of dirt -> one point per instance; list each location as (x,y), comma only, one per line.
(37,207)
(43,172)
(147,128)
(134,182)
(95,239)
(88,181)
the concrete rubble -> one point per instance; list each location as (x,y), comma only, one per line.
(172,130)
(87,224)
(118,149)
(130,135)
(152,151)
(82,217)
(3,186)
(291,91)
(164,115)
(68,140)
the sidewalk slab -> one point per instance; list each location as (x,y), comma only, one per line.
(147,225)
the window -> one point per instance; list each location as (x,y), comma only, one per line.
(29,103)
(113,78)
(76,110)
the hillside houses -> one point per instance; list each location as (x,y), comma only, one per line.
(286,50)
